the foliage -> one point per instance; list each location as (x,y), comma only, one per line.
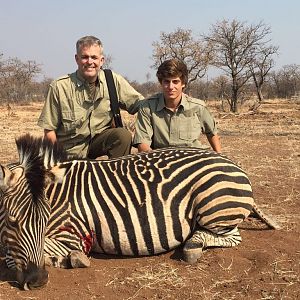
(240,50)
(242,53)
(286,82)
(147,88)
(181,45)
(17,79)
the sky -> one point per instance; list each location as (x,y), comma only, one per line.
(47,31)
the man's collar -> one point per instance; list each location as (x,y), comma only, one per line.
(161,102)
(81,81)
(184,101)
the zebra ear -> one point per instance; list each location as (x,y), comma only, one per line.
(55,174)
(8,178)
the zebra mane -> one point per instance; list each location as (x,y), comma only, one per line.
(36,155)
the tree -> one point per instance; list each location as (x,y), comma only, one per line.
(44,86)
(16,78)
(260,68)
(234,46)
(221,86)
(147,88)
(108,61)
(287,81)
(181,45)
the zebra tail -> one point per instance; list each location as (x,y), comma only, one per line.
(265,218)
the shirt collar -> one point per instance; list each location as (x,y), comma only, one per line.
(161,102)
(101,76)
(184,101)
(81,81)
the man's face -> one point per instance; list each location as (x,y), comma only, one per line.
(172,88)
(89,61)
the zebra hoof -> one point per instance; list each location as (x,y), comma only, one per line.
(57,262)
(79,260)
(192,252)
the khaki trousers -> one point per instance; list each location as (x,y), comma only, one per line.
(113,142)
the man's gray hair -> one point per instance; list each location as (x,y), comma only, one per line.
(88,41)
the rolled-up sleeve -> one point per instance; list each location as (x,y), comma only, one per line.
(129,98)
(208,123)
(49,117)
(143,127)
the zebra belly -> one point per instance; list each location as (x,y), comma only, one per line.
(107,247)
(132,244)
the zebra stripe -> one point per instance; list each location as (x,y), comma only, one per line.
(140,204)
(165,189)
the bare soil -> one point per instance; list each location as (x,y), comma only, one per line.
(266,265)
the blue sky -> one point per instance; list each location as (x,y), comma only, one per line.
(46,31)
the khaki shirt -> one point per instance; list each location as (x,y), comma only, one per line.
(160,127)
(76,116)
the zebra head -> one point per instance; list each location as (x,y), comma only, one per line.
(24,210)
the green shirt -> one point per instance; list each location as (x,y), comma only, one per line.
(77,112)
(160,127)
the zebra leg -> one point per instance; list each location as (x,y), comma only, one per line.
(75,259)
(78,259)
(193,247)
(57,262)
(203,239)
(65,255)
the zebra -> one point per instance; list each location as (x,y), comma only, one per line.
(55,212)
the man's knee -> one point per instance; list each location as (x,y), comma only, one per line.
(123,135)
(120,143)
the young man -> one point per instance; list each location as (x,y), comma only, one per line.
(172,118)
(77,109)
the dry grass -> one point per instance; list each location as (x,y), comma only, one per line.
(162,277)
(264,266)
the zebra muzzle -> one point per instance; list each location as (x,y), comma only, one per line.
(33,277)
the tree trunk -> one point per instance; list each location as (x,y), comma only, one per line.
(259,94)
(258,86)
(234,99)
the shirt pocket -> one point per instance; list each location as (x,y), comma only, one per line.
(189,129)
(71,121)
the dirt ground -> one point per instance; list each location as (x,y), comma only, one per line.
(266,265)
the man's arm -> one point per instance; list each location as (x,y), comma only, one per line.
(130,99)
(214,141)
(143,129)
(50,135)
